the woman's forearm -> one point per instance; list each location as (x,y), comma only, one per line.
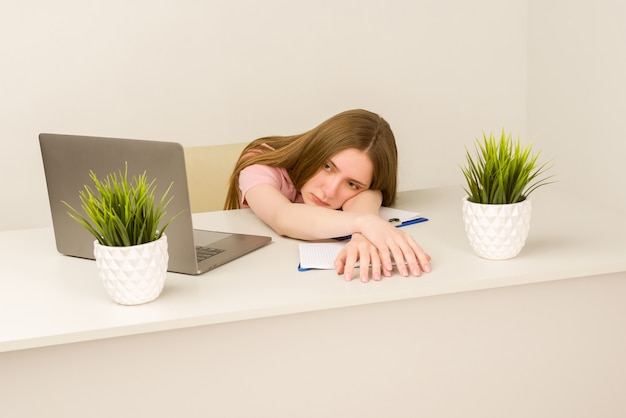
(301,221)
(312,223)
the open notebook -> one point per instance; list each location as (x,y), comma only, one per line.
(322,255)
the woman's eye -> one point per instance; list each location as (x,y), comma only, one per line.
(353,185)
(327,167)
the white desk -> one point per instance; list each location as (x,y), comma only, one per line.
(258,338)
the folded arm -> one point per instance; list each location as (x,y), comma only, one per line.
(380,244)
(302,221)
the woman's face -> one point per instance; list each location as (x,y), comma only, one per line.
(347,174)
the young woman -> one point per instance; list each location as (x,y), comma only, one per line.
(330,182)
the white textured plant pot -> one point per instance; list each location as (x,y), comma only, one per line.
(133,275)
(497,232)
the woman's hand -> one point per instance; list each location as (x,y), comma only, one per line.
(394,246)
(381,243)
(407,255)
(359,249)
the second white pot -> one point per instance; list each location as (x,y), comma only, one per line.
(497,232)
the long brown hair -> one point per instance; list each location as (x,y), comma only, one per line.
(305,154)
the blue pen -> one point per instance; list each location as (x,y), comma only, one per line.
(413,221)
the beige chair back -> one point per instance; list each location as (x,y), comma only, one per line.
(208,170)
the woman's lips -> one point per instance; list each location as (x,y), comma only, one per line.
(317,201)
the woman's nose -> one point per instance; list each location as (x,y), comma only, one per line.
(330,188)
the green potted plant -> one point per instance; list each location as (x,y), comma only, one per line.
(128,225)
(499,177)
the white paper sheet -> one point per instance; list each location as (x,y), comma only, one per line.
(315,255)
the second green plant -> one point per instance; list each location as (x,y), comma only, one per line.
(502,171)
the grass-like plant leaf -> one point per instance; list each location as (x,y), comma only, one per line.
(503,171)
(122,212)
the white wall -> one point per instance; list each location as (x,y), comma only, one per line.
(219,71)
(577,93)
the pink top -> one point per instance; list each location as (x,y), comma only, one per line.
(264,174)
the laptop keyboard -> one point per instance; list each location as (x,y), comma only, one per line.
(202,253)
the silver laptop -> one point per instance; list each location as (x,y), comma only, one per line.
(67,160)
